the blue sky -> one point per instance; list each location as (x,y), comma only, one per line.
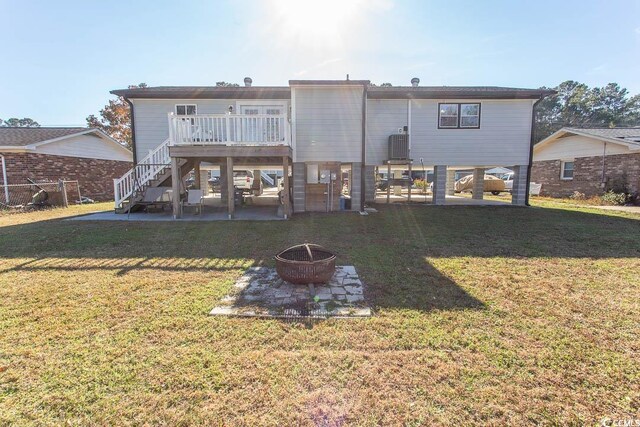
(61,58)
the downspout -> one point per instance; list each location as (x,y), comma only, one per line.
(133,131)
(604,166)
(532,143)
(363,167)
(4,179)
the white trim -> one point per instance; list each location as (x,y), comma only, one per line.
(293,126)
(265,102)
(559,133)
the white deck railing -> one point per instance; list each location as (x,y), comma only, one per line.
(229,129)
(138,176)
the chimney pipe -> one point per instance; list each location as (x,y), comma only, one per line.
(415,82)
(248,81)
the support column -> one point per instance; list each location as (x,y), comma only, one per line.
(356,183)
(175,187)
(299,176)
(196,174)
(478,184)
(388,182)
(285,196)
(409,192)
(230,191)
(451,182)
(439,184)
(223,182)
(203,178)
(519,190)
(370,184)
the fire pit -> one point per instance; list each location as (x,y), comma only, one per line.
(305,264)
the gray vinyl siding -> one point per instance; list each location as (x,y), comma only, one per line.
(502,140)
(332,118)
(151,122)
(384,117)
(88,147)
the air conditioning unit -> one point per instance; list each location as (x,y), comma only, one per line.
(399,147)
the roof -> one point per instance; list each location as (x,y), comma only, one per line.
(631,134)
(20,137)
(451,92)
(374,92)
(629,137)
(206,92)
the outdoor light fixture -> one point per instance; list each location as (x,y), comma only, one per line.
(230,109)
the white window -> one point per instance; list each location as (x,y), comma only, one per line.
(459,116)
(448,116)
(566,171)
(186,109)
(469,115)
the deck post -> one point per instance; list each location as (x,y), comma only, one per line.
(175,187)
(230,190)
(409,193)
(286,199)
(388,181)
(196,172)
(478,184)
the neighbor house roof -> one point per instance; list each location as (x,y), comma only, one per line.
(20,139)
(629,137)
(20,136)
(374,92)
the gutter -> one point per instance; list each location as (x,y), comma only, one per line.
(532,143)
(4,179)
(133,131)
(363,167)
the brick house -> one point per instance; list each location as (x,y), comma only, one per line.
(51,153)
(591,161)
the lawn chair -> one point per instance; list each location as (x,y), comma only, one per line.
(194,198)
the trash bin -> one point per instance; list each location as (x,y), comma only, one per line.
(342,203)
(238,198)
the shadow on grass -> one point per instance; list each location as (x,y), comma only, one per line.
(390,249)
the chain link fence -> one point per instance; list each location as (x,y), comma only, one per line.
(40,195)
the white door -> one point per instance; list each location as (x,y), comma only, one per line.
(262,129)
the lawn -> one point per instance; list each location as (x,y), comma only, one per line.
(494,315)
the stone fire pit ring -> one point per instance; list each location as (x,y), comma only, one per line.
(306,264)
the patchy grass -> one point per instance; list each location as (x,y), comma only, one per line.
(483,315)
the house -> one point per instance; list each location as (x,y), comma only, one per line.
(590,161)
(319,131)
(52,153)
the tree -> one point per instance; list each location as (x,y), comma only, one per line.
(21,123)
(381,85)
(226,84)
(115,119)
(577,105)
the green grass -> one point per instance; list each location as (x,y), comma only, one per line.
(491,315)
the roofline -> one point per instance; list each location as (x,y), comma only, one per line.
(557,134)
(206,92)
(329,82)
(431,93)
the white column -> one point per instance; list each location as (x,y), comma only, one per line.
(478,184)
(176,177)
(451,182)
(439,184)
(519,190)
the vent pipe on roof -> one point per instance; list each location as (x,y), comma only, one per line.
(415,82)
(248,81)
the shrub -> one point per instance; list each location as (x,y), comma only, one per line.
(613,198)
(578,196)
(421,184)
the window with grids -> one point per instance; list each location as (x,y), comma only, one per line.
(186,109)
(567,170)
(459,116)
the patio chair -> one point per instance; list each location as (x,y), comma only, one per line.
(155,197)
(195,199)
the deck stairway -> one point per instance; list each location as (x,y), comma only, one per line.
(152,171)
